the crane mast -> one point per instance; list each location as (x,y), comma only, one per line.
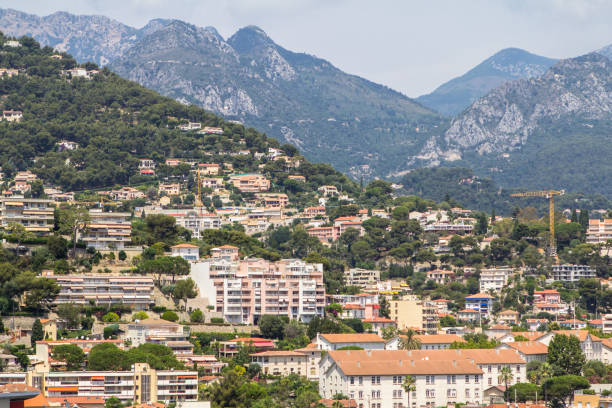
(550,195)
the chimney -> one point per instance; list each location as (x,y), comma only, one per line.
(369,353)
(358,364)
(412,362)
(497,351)
(454,363)
(401,363)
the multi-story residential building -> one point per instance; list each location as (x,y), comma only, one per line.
(546,296)
(107,230)
(415,313)
(362,277)
(440,276)
(449,228)
(509,317)
(227,252)
(44,349)
(232,347)
(273,200)
(333,341)
(379,323)
(374,378)
(146,164)
(190,126)
(35,214)
(599,231)
(26,176)
(196,221)
(169,189)
(104,289)
(572,273)
(276,362)
(468,315)
(160,331)
(188,252)
(209,169)
(214,183)
(141,385)
(247,289)
(590,344)
(438,341)
(250,182)
(480,302)
(606,323)
(325,234)
(494,279)
(328,191)
(313,212)
(528,350)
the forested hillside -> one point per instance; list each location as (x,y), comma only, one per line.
(115,123)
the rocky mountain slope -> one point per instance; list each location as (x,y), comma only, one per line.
(459,93)
(551,131)
(360,127)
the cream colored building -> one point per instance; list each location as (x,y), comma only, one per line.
(279,362)
(415,313)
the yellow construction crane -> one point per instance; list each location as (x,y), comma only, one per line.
(198,199)
(550,194)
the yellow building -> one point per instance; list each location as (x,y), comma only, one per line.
(415,314)
(49,329)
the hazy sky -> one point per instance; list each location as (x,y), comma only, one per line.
(411,46)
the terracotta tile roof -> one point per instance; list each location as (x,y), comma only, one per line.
(531,336)
(546,292)
(581,334)
(351,306)
(513,312)
(184,246)
(438,338)
(479,296)
(479,356)
(10,388)
(38,401)
(352,338)
(345,403)
(528,347)
(153,322)
(378,319)
(77,400)
(390,362)
(500,327)
(278,353)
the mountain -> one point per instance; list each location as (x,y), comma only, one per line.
(114,122)
(362,128)
(548,132)
(454,96)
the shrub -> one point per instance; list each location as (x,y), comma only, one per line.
(196,316)
(216,320)
(140,316)
(159,309)
(170,316)
(110,317)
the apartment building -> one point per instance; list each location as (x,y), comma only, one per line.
(599,231)
(572,273)
(250,182)
(494,279)
(440,276)
(245,290)
(362,277)
(374,378)
(415,314)
(106,289)
(35,214)
(227,252)
(44,349)
(169,189)
(160,331)
(606,323)
(480,302)
(107,230)
(196,221)
(546,296)
(449,228)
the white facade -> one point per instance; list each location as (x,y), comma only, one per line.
(494,279)
(571,273)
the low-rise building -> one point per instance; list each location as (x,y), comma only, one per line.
(277,362)
(440,276)
(104,289)
(12,115)
(438,341)
(107,230)
(35,214)
(510,317)
(367,341)
(196,221)
(125,194)
(250,182)
(572,273)
(328,191)
(169,189)
(362,277)
(160,331)
(188,252)
(528,350)
(546,296)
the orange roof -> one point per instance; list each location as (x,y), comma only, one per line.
(500,327)
(509,312)
(378,319)
(531,336)
(184,246)
(581,334)
(546,292)
(353,338)
(278,353)
(438,338)
(78,400)
(37,402)
(351,306)
(479,296)
(227,247)
(345,403)
(529,347)
(10,388)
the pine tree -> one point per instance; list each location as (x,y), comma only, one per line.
(493,216)
(37,332)
(574,216)
(584,219)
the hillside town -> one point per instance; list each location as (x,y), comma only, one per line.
(243,275)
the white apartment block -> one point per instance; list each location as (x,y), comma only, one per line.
(196,221)
(572,273)
(35,214)
(362,277)
(107,230)
(106,289)
(494,279)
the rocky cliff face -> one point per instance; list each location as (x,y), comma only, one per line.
(452,97)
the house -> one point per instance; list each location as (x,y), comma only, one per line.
(12,43)
(439,276)
(169,189)
(209,169)
(147,172)
(64,145)
(8,72)
(211,130)
(250,182)
(231,347)
(49,329)
(278,362)
(227,252)
(510,317)
(438,341)
(367,341)
(572,324)
(126,194)
(549,296)
(190,126)
(468,315)
(555,309)
(188,252)
(146,164)
(498,330)
(362,277)
(379,323)
(534,324)
(442,305)
(25,176)
(301,179)
(528,350)
(328,191)
(212,182)
(313,212)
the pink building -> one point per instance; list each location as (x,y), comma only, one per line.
(250,182)
(546,296)
(247,289)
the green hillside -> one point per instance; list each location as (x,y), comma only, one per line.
(116,122)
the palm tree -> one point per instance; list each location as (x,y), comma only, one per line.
(505,376)
(543,373)
(409,385)
(409,341)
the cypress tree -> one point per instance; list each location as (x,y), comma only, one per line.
(37,332)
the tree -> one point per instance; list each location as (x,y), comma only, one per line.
(73,220)
(140,316)
(409,341)
(409,386)
(385,308)
(560,390)
(106,357)
(70,313)
(70,354)
(482,224)
(196,316)
(110,317)
(113,402)
(170,316)
(565,355)
(41,292)
(389,333)
(272,326)
(58,246)
(523,392)
(505,377)
(122,255)
(37,332)
(185,289)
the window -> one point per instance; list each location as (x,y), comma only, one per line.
(375,380)
(476,379)
(490,381)
(451,393)
(397,394)
(467,379)
(489,369)
(467,393)
(360,394)
(476,393)
(518,368)
(375,394)
(352,380)
(360,380)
